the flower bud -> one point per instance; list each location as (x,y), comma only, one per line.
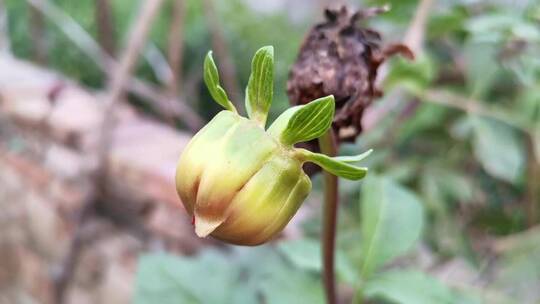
(241,183)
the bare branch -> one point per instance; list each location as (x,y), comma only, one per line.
(5,44)
(221,50)
(452,100)
(122,73)
(84,41)
(37,33)
(176,50)
(415,36)
(105,23)
(116,91)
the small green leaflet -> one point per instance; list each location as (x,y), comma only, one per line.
(309,121)
(211,79)
(260,88)
(335,166)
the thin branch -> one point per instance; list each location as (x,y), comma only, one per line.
(221,51)
(414,39)
(105,23)
(5,44)
(38,35)
(116,91)
(532,197)
(176,50)
(84,41)
(122,74)
(415,35)
(158,63)
(452,100)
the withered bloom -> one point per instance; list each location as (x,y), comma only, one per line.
(340,57)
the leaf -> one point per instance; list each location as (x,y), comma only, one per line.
(518,267)
(306,122)
(408,287)
(305,254)
(498,149)
(164,279)
(392,220)
(481,67)
(243,276)
(211,79)
(415,75)
(277,281)
(336,166)
(260,88)
(288,285)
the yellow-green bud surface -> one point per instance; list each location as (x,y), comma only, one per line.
(241,183)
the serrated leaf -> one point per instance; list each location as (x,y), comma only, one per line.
(211,79)
(498,149)
(409,287)
(392,220)
(336,166)
(260,88)
(308,121)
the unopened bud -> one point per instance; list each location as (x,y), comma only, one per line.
(241,183)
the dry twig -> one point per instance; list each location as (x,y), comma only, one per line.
(221,50)
(84,41)
(176,38)
(105,24)
(99,175)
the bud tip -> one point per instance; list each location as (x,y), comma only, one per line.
(204,226)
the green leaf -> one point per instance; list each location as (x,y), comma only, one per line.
(518,266)
(305,254)
(414,76)
(481,67)
(208,278)
(305,122)
(211,79)
(409,287)
(336,165)
(260,88)
(498,149)
(392,220)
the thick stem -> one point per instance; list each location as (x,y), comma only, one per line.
(328,146)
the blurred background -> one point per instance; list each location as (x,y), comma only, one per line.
(98,98)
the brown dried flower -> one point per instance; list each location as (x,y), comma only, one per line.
(340,57)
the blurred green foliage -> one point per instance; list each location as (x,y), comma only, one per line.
(450,171)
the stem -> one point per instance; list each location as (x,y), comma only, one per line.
(328,146)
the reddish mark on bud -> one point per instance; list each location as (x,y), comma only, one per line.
(193,220)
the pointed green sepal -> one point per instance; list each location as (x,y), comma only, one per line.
(336,165)
(304,123)
(260,88)
(211,79)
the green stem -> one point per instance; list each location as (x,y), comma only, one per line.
(328,146)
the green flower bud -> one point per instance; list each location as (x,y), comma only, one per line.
(241,183)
